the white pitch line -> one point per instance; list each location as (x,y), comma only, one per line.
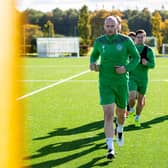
(52,66)
(87,80)
(32,80)
(52,85)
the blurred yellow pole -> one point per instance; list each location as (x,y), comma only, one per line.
(11,116)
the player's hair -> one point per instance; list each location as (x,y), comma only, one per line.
(132,34)
(111,18)
(139,31)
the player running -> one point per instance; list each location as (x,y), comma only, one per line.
(138,80)
(114,50)
(132,35)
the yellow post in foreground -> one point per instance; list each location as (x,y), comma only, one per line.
(11,121)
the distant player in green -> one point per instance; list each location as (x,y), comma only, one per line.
(114,50)
(138,80)
(132,35)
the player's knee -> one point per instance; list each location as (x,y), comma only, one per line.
(108,114)
(132,97)
(121,116)
(120,112)
(141,102)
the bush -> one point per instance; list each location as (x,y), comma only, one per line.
(84,49)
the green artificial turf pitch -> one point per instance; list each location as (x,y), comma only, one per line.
(64,124)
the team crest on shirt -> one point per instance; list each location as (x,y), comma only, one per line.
(103,48)
(119,47)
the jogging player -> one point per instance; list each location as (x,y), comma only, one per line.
(138,80)
(132,35)
(114,50)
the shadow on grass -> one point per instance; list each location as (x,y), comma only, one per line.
(63,160)
(147,124)
(68,146)
(65,131)
(86,145)
(82,143)
(98,125)
(94,163)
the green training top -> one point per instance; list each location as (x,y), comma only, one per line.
(114,51)
(141,71)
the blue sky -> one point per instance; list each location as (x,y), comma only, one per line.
(48,5)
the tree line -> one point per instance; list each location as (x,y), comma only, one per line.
(89,24)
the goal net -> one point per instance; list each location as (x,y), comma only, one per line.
(56,47)
(151,41)
(165,48)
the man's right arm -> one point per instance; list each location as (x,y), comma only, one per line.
(94,57)
(151,59)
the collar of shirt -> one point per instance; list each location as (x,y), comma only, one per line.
(111,37)
(140,47)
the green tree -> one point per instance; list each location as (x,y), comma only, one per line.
(66,21)
(127,14)
(141,21)
(70,21)
(164,30)
(49,29)
(58,21)
(84,27)
(97,22)
(163,13)
(124,27)
(156,28)
(33,16)
(30,33)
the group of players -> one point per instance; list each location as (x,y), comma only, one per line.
(123,77)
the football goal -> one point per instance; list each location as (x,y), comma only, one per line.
(152,42)
(58,47)
(165,48)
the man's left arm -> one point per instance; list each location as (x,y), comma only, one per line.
(150,63)
(135,58)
